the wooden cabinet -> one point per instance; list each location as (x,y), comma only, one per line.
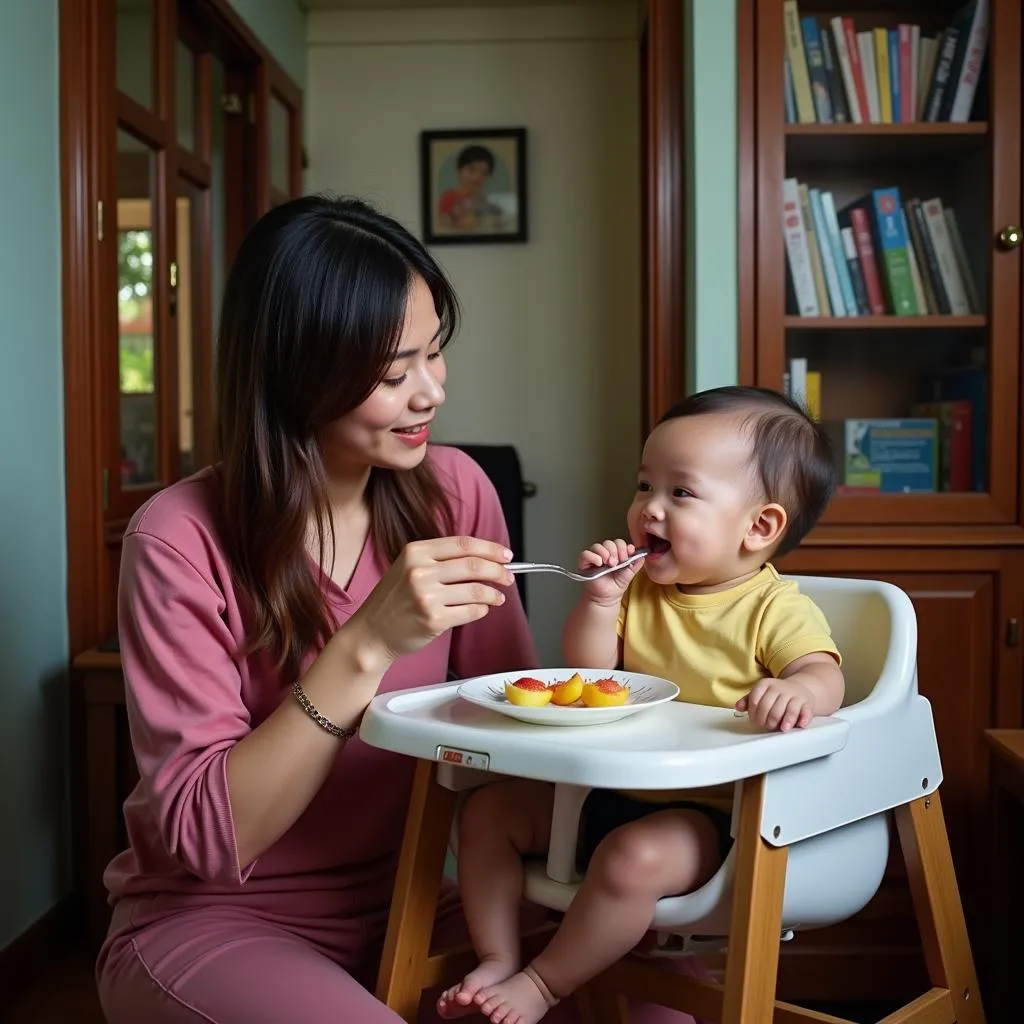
(882,367)
(958,551)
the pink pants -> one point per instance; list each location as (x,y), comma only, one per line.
(231,966)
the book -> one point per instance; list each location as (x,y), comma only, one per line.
(843,48)
(788,89)
(837,94)
(962,262)
(892,456)
(828,207)
(941,75)
(816,68)
(798,63)
(797,251)
(859,219)
(935,220)
(954,420)
(840,70)
(891,245)
(814,252)
(934,295)
(968,62)
(860,293)
(813,405)
(798,381)
(915,269)
(835,292)
(968,384)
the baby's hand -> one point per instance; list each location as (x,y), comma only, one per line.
(609,589)
(778,704)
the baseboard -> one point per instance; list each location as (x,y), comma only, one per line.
(24,959)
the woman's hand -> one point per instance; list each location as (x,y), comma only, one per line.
(609,589)
(433,586)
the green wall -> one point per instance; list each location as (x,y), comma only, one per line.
(712,231)
(34,851)
(281,26)
(33,564)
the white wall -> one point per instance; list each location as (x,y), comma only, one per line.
(549,355)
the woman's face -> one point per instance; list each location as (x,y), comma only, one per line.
(391,428)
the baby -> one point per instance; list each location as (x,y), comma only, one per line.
(730,478)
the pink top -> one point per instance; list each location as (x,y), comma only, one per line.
(190,698)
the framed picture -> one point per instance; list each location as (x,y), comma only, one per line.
(473,185)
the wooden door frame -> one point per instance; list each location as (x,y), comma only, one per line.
(86,55)
(746,198)
(663,185)
(83,166)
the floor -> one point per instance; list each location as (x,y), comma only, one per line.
(66,994)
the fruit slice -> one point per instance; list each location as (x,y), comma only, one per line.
(604,693)
(567,692)
(528,693)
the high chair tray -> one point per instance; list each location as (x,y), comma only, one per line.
(674,746)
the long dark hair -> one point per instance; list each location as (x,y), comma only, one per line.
(313,312)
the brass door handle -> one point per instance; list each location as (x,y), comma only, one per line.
(1010,237)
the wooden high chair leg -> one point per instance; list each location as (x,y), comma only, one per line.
(417,885)
(407,965)
(940,914)
(755,925)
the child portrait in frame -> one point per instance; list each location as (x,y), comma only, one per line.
(473,184)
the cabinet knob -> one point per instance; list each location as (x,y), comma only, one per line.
(1010,237)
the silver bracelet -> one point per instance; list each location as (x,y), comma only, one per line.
(325,723)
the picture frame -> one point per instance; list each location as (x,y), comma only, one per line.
(473,186)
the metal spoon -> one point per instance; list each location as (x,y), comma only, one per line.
(581,575)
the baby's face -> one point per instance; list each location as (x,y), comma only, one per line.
(696,500)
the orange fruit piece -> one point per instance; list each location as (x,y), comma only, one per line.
(604,693)
(528,693)
(568,691)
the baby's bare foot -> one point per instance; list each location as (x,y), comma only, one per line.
(458,1001)
(522,999)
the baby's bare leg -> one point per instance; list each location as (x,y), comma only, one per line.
(499,825)
(672,851)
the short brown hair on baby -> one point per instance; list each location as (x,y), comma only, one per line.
(793,456)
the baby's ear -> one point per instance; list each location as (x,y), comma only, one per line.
(766,530)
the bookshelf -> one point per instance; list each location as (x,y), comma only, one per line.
(949,530)
(955,313)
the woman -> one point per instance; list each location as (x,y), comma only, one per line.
(328,555)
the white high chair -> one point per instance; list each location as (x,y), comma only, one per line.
(811,824)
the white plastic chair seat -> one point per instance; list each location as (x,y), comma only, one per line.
(828,788)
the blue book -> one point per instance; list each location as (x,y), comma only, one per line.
(828,206)
(892,250)
(816,70)
(828,264)
(894,74)
(892,456)
(788,88)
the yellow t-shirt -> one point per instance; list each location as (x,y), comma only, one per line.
(715,647)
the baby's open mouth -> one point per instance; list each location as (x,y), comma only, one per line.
(657,545)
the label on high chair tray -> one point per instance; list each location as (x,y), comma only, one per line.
(463,758)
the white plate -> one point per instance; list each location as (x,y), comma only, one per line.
(644,692)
